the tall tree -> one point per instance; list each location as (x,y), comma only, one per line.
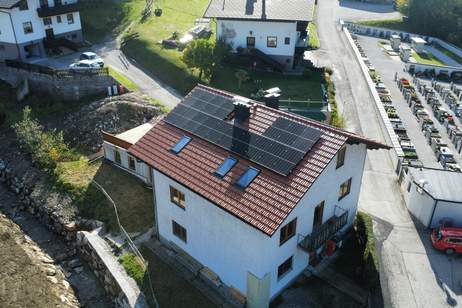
(200,54)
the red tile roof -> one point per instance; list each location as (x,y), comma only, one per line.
(270,198)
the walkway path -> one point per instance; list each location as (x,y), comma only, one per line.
(409,267)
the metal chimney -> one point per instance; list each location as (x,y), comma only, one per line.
(263,9)
(241,108)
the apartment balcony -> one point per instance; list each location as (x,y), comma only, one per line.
(323,233)
(58,9)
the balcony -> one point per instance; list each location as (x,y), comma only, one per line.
(58,9)
(324,233)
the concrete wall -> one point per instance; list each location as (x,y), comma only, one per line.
(418,67)
(232,248)
(420,204)
(141,169)
(6,28)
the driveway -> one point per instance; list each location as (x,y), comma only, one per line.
(114,57)
(409,267)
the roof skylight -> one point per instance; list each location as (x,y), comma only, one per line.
(225,167)
(180,144)
(247,177)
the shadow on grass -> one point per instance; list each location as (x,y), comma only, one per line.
(169,69)
(133,200)
(170,289)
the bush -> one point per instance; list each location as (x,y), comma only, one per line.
(46,148)
(364,229)
(134,267)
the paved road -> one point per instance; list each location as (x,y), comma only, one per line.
(112,56)
(408,264)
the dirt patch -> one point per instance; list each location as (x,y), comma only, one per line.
(117,114)
(27,276)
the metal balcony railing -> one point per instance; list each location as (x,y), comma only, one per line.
(322,234)
(58,9)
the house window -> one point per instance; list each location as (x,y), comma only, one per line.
(117,158)
(58,19)
(131,163)
(27,26)
(247,177)
(341,157)
(285,267)
(70,18)
(318,214)
(43,3)
(250,42)
(177,197)
(272,41)
(47,21)
(344,189)
(23,5)
(288,231)
(74,36)
(179,231)
(225,167)
(180,144)
(287,40)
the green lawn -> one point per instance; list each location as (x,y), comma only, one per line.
(177,16)
(104,17)
(293,87)
(170,289)
(394,24)
(133,200)
(124,80)
(449,53)
(427,58)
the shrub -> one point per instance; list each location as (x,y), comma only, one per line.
(364,229)
(134,267)
(46,148)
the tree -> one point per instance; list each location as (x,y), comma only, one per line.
(200,54)
(402,6)
(242,76)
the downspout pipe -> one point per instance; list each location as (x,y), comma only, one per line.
(14,32)
(433,214)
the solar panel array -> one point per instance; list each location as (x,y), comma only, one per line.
(210,103)
(279,149)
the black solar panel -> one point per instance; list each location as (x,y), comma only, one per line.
(209,103)
(293,134)
(278,149)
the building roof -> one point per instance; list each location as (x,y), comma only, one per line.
(284,10)
(418,40)
(8,4)
(133,135)
(270,198)
(439,184)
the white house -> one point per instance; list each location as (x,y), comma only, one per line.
(116,147)
(252,193)
(433,196)
(277,28)
(26,26)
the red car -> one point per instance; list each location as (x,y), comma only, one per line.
(448,240)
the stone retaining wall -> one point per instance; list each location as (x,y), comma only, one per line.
(56,211)
(70,88)
(117,283)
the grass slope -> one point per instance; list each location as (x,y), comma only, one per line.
(394,24)
(427,58)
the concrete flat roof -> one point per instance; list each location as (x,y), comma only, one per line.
(133,135)
(418,40)
(440,184)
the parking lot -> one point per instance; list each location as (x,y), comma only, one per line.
(387,66)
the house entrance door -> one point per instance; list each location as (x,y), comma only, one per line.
(50,34)
(250,42)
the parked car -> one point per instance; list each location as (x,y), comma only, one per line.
(84,65)
(447,239)
(91,56)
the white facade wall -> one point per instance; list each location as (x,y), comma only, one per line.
(420,204)
(237,31)
(447,210)
(142,170)
(19,17)
(6,29)
(231,248)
